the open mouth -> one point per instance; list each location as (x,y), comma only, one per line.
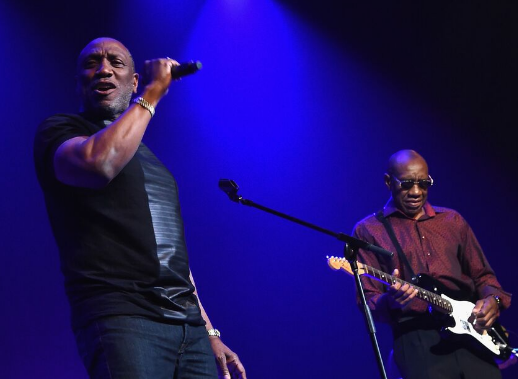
(103,88)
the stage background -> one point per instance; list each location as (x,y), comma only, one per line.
(301,103)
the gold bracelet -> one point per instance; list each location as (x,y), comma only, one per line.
(144,103)
(213,333)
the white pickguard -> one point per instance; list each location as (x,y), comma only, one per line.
(462,315)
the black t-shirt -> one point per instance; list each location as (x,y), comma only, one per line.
(122,247)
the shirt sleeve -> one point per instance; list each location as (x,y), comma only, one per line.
(375,295)
(475,265)
(50,134)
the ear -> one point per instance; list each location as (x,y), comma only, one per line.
(135,82)
(386,176)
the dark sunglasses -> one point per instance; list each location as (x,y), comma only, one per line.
(407,184)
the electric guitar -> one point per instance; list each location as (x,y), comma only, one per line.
(459,319)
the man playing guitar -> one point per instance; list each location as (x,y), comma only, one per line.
(438,242)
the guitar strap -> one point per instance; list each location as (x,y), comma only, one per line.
(388,227)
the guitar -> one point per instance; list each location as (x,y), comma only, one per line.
(459,317)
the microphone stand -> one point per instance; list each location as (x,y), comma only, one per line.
(350,252)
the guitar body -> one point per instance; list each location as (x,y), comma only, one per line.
(464,325)
(460,320)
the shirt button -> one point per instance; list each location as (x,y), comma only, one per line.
(428,254)
(422,237)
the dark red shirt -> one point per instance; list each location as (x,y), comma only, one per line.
(440,243)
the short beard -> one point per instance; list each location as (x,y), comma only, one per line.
(110,111)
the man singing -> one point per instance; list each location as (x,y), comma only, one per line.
(115,215)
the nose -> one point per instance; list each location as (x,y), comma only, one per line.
(415,190)
(104,68)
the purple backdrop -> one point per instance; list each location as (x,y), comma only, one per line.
(301,103)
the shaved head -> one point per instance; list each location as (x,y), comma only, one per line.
(99,40)
(407,165)
(106,78)
(401,158)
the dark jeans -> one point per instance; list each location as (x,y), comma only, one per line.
(423,354)
(125,347)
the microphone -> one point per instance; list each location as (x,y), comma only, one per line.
(185,69)
(230,188)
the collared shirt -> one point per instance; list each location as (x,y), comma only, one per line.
(440,243)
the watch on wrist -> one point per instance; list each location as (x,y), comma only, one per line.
(498,301)
(213,333)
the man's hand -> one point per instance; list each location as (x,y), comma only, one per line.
(229,365)
(400,295)
(486,312)
(157,78)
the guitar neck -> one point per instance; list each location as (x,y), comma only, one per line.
(428,296)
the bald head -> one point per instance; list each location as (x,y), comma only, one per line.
(403,158)
(406,178)
(100,41)
(106,78)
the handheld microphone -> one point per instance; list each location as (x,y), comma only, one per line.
(184,69)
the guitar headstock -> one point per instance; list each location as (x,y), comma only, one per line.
(340,263)
(337,263)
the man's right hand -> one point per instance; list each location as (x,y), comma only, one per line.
(157,78)
(400,295)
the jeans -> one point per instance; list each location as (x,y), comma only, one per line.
(127,347)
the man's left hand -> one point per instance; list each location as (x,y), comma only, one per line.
(229,365)
(486,312)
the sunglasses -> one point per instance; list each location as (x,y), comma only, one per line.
(407,184)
